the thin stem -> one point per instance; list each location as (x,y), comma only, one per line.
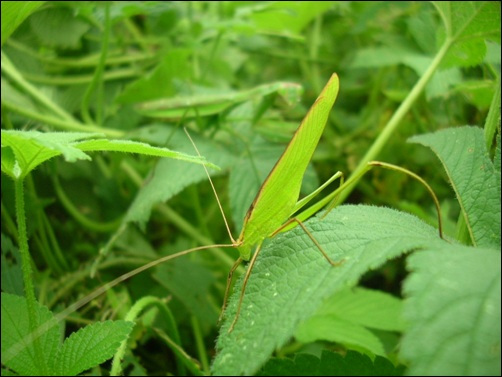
(97,79)
(396,119)
(115,57)
(116,74)
(29,289)
(23,246)
(67,125)
(199,342)
(9,69)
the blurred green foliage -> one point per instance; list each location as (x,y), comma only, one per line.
(219,69)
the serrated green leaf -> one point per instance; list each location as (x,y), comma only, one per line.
(172,176)
(344,317)
(14,13)
(468,19)
(331,364)
(291,278)
(90,346)
(31,148)
(58,27)
(463,153)
(453,307)
(15,327)
(129,146)
(468,24)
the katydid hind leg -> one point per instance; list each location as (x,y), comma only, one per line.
(227,289)
(244,284)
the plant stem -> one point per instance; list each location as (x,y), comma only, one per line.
(29,290)
(23,244)
(199,341)
(116,74)
(9,69)
(91,60)
(67,125)
(396,119)
(97,79)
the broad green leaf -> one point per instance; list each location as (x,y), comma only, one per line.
(291,278)
(129,146)
(478,92)
(90,346)
(468,24)
(57,26)
(15,12)
(370,308)
(344,317)
(25,150)
(463,153)
(453,307)
(330,364)
(31,148)
(170,176)
(422,26)
(374,57)
(15,327)
(287,17)
(338,330)
(441,81)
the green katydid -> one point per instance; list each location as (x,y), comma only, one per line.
(276,200)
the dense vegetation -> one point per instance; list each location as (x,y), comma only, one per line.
(84,82)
